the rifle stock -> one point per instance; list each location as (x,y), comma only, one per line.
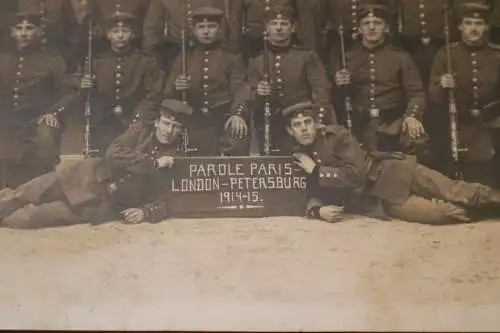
(347,99)
(186,144)
(88,150)
(452,108)
(268,148)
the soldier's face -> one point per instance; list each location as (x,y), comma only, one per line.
(303,129)
(280,31)
(25,34)
(167,130)
(120,37)
(373,29)
(472,29)
(206,32)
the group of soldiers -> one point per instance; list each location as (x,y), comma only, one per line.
(415,78)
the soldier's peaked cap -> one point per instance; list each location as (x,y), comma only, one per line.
(374,10)
(207,13)
(473,9)
(279,12)
(30,17)
(176,110)
(121,19)
(302,109)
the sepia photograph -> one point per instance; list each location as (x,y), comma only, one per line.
(250,165)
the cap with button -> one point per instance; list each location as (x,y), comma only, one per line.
(176,110)
(280,13)
(207,14)
(30,17)
(302,109)
(473,9)
(121,19)
(373,10)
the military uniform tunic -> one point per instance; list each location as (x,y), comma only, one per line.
(296,74)
(129,87)
(385,87)
(95,190)
(477,94)
(385,187)
(219,89)
(32,83)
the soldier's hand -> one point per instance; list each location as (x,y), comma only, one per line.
(182,83)
(342,77)
(49,120)
(304,162)
(165,161)
(331,213)
(87,82)
(448,81)
(264,88)
(413,127)
(239,128)
(132,215)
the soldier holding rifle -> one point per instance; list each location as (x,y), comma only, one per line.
(385,88)
(294,74)
(476,84)
(127,82)
(217,89)
(344,179)
(130,184)
(34,92)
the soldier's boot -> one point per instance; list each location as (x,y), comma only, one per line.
(9,206)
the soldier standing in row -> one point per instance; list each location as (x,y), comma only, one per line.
(476,81)
(130,184)
(345,179)
(128,82)
(165,20)
(34,92)
(385,88)
(295,74)
(217,89)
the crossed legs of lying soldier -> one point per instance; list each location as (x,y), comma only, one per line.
(40,203)
(437,199)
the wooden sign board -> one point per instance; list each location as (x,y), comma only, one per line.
(237,187)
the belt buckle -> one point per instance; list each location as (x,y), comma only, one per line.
(112,187)
(426,41)
(118,110)
(205,110)
(475,112)
(374,112)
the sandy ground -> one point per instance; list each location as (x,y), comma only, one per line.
(252,274)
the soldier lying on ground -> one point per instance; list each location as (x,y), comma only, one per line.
(130,181)
(345,178)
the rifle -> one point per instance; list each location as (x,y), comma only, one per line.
(267,103)
(88,150)
(452,107)
(186,148)
(347,100)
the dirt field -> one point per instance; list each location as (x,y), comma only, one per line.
(272,274)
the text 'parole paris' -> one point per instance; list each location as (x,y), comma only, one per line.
(213,177)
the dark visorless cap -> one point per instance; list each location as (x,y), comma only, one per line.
(302,109)
(280,13)
(374,10)
(30,17)
(207,14)
(121,19)
(176,110)
(473,9)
